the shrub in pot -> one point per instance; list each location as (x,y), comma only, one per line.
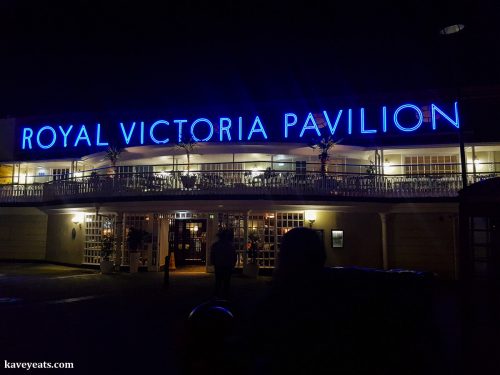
(135,241)
(107,245)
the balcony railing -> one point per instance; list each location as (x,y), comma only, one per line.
(237,183)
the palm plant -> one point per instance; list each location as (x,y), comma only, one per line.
(324,145)
(188,181)
(188,148)
(136,238)
(113,154)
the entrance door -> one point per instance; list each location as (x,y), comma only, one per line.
(485,247)
(188,240)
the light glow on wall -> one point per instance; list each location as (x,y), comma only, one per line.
(77,218)
(310,215)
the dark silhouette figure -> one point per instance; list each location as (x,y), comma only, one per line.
(223,258)
(301,259)
(319,320)
(289,327)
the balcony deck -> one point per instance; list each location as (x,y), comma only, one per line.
(235,184)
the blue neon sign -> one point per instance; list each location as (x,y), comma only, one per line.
(406,118)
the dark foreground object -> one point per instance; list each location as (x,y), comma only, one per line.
(207,328)
(348,321)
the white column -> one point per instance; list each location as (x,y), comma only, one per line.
(385,258)
(473,148)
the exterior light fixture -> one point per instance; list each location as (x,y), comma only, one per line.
(452,29)
(77,218)
(310,217)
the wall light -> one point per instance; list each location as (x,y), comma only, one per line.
(78,218)
(310,217)
(452,29)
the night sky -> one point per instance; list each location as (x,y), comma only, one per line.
(84,56)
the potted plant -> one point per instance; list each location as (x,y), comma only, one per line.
(107,245)
(188,180)
(135,241)
(268,175)
(251,268)
(94,181)
(113,154)
(370,169)
(323,145)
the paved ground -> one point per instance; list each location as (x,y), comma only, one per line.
(117,322)
(131,322)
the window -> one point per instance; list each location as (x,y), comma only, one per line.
(269,228)
(95,227)
(436,164)
(127,170)
(300,168)
(60,174)
(209,167)
(124,171)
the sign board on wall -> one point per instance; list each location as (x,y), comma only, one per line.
(62,136)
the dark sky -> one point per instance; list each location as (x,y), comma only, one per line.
(95,56)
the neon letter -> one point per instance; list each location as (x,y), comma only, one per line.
(314,126)
(349,124)
(126,136)
(332,129)
(98,140)
(27,134)
(179,133)
(210,125)
(151,132)
(142,132)
(54,137)
(81,136)
(363,130)
(384,119)
(240,128)
(225,129)
(65,135)
(260,130)
(435,109)
(419,114)
(288,124)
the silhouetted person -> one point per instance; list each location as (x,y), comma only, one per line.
(289,332)
(223,258)
(301,259)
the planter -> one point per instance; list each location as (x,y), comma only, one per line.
(106,267)
(251,270)
(188,181)
(134,262)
